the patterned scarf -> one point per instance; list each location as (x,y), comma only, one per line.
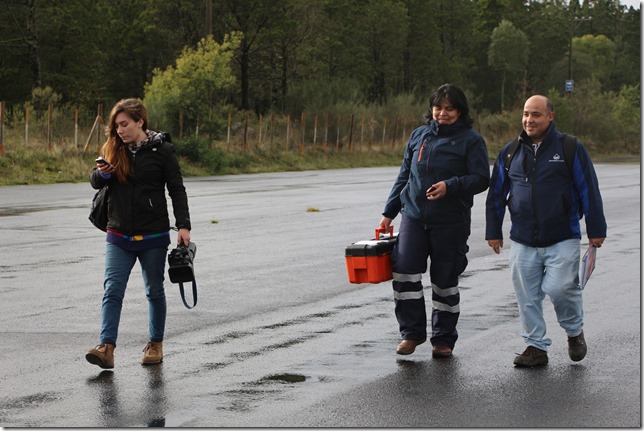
(136,146)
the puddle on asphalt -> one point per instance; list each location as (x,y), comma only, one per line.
(284,378)
(4,212)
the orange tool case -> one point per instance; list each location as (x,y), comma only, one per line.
(369,261)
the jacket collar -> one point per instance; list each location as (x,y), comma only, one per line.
(445,129)
(548,137)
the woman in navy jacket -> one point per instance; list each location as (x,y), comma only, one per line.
(444,166)
(140,165)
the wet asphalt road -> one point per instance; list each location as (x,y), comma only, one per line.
(280,338)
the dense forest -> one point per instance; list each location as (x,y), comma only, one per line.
(291,56)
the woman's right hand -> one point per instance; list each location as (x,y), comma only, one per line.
(385,222)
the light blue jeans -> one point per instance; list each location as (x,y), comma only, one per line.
(118,266)
(553,271)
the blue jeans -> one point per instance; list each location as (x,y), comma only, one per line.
(553,271)
(118,266)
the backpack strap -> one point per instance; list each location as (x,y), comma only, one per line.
(509,156)
(569,150)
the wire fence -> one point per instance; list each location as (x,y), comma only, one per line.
(244,131)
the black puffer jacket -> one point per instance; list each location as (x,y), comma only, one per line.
(140,207)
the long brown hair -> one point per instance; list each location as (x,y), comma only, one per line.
(114,148)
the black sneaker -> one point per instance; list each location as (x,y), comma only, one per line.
(531,357)
(577,347)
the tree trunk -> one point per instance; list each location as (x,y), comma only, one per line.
(244,74)
(503,92)
(32,43)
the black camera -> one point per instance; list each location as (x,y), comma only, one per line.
(181,261)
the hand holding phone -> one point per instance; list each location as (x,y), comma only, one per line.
(101,161)
(430,193)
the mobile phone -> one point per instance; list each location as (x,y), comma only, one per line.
(101,161)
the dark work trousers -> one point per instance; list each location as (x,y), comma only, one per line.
(446,247)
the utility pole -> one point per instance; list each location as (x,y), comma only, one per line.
(573,28)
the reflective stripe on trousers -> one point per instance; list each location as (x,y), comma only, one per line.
(446,247)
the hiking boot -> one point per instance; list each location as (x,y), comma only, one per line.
(577,347)
(152,353)
(101,355)
(407,347)
(439,351)
(531,357)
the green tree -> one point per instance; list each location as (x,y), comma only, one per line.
(20,68)
(198,85)
(383,33)
(627,116)
(250,18)
(547,48)
(593,56)
(508,53)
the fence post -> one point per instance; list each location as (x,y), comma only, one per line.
(384,130)
(180,123)
(288,129)
(337,137)
(49,126)
(98,123)
(245,144)
(404,127)
(272,127)
(315,129)
(393,137)
(261,124)
(26,126)
(76,128)
(228,135)
(326,131)
(302,124)
(1,127)
(100,128)
(361,130)
(351,133)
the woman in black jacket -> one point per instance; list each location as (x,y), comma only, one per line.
(139,165)
(444,166)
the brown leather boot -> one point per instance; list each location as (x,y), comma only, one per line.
(101,355)
(152,353)
(407,347)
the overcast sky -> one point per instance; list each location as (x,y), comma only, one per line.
(635,4)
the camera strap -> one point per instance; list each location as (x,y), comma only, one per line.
(194,294)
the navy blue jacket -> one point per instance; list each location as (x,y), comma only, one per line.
(544,201)
(140,207)
(453,153)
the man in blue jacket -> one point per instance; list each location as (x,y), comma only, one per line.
(546,196)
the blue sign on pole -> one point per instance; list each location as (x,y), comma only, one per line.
(570,84)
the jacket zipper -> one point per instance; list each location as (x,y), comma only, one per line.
(426,175)
(422,147)
(535,233)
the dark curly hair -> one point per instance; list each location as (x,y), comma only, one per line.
(456,97)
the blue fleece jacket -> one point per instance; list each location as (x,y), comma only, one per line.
(545,203)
